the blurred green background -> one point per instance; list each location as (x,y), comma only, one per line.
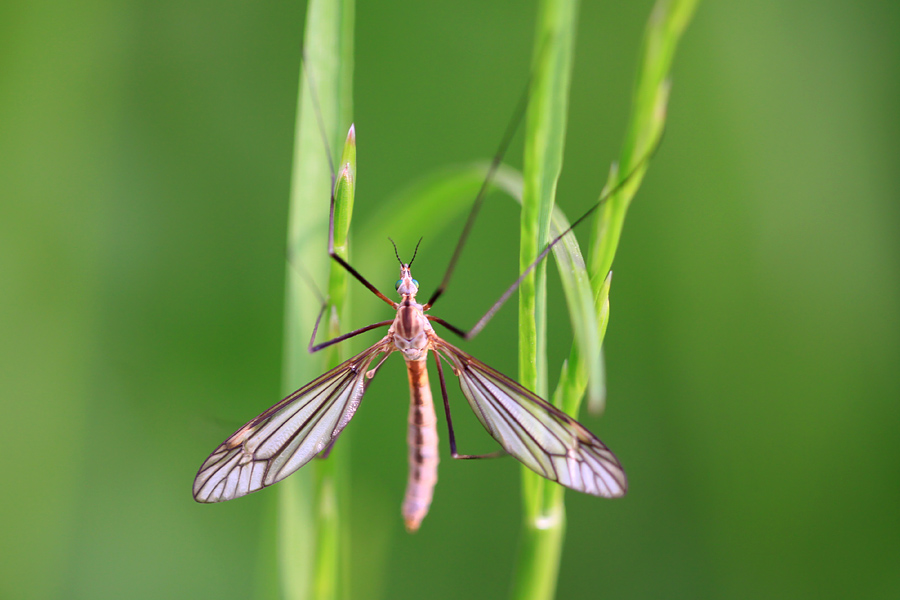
(753,350)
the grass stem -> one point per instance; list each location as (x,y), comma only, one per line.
(311,532)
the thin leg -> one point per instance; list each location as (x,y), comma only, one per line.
(331,252)
(511,128)
(344,263)
(451,328)
(479,325)
(452,437)
(314,96)
(313,347)
(305,276)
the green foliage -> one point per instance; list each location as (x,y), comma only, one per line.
(544,522)
(146,161)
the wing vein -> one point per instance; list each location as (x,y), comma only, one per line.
(287,435)
(541,436)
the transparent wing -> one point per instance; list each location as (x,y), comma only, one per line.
(542,437)
(288,435)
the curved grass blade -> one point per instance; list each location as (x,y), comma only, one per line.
(665,27)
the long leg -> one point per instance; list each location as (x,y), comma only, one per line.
(452,437)
(511,128)
(344,263)
(313,347)
(316,347)
(331,252)
(479,325)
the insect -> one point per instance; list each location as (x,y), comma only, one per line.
(307,423)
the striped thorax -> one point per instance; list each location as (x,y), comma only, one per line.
(411,329)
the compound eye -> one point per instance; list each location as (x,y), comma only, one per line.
(416,282)
(397,285)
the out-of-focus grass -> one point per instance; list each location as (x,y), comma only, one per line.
(311,531)
(544,519)
(146,158)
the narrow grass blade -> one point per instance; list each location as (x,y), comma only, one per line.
(309,558)
(544,514)
(667,23)
(332,475)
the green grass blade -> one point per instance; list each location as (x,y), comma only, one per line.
(332,475)
(310,555)
(544,142)
(544,514)
(667,23)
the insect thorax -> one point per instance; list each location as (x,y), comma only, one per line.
(410,331)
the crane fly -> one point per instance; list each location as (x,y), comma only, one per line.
(307,423)
(287,436)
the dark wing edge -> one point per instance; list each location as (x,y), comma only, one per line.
(288,435)
(539,435)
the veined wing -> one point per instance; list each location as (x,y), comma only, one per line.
(542,437)
(288,435)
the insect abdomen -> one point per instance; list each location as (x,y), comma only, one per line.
(423,447)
